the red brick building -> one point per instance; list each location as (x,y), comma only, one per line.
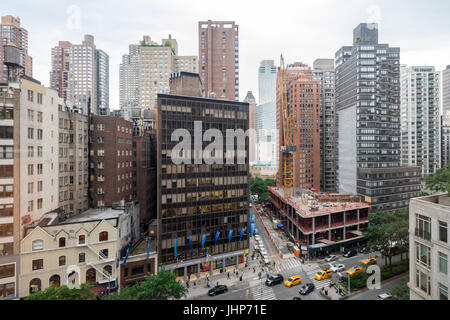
(218,58)
(111,161)
(303,96)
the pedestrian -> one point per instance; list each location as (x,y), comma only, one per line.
(237,274)
(195,283)
(187,284)
(217,284)
(240,278)
(254,270)
(234,271)
(274,264)
(228,276)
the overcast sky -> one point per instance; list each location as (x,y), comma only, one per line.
(301,30)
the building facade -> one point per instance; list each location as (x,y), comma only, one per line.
(323,71)
(429,249)
(303,99)
(446,93)
(145,72)
(250,99)
(59,74)
(80,73)
(111,161)
(202,208)
(266,152)
(368,123)
(218,50)
(445,143)
(73,161)
(420,118)
(11,33)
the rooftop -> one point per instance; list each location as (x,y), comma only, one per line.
(442,200)
(312,202)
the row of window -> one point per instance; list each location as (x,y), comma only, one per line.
(39,244)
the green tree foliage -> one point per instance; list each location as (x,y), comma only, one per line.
(401,292)
(259,186)
(64,293)
(440,181)
(161,286)
(389,231)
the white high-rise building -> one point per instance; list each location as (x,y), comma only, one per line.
(446,93)
(265,115)
(145,72)
(420,118)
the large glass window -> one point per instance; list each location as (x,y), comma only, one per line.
(423,227)
(7,271)
(423,282)
(38,264)
(423,255)
(443,263)
(443,292)
(443,231)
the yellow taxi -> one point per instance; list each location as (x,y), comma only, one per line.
(354,270)
(323,274)
(293,281)
(369,261)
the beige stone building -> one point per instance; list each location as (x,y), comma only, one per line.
(73,161)
(82,249)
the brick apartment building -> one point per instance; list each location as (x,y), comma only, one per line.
(111,161)
(303,96)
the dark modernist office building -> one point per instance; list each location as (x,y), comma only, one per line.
(202,208)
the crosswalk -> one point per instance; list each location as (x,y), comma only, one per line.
(311,272)
(260,291)
(288,264)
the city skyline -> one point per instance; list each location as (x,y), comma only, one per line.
(408,27)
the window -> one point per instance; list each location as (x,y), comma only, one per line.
(6,230)
(39,117)
(137,271)
(423,227)
(30,95)
(443,292)
(39,203)
(6,132)
(31,115)
(7,271)
(62,242)
(6,210)
(30,133)
(30,169)
(38,264)
(6,152)
(30,152)
(104,253)
(37,245)
(81,239)
(81,257)
(62,260)
(103,236)
(6,113)
(423,282)
(6,171)
(443,263)
(7,290)
(443,231)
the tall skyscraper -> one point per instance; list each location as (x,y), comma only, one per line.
(145,72)
(303,96)
(324,73)
(368,123)
(218,55)
(12,33)
(420,118)
(445,143)
(446,93)
(202,208)
(81,72)
(266,114)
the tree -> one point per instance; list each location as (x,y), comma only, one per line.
(389,231)
(401,292)
(259,186)
(161,286)
(64,293)
(440,181)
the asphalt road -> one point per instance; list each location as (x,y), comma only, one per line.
(385,288)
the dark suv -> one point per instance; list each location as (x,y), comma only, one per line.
(307,288)
(217,290)
(351,253)
(274,279)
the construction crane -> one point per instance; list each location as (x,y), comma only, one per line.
(288,148)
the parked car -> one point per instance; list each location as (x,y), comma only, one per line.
(351,253)
(337,267)
(331,258)
(384,296)
(256,231)
(363,250)
(274,279)
(257,237)
(296,298)
(323,274)
(293,281)
(217,290)
(266,259)
(369,261)
(306,289)
(263,252)
(354,270)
